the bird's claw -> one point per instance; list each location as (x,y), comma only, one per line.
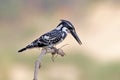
(58,52)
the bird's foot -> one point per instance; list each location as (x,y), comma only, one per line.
(58,51)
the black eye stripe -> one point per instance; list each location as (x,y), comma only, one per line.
(61,27)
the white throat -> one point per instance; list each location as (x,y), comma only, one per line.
(60,27)
(65,30)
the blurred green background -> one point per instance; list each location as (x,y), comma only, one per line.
(97,23)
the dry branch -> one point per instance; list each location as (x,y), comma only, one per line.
(44,51)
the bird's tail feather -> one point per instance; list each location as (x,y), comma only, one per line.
(23,49)
(27,47)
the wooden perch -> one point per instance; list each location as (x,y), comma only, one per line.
(44,51)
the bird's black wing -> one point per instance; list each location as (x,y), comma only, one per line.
(51,38)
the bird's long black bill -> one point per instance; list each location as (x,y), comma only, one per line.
(74,34)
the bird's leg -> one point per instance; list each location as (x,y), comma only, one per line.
(55,50)
(53,53)
(58,51)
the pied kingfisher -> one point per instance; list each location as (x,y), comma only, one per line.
(57,35)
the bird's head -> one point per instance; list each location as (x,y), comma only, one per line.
(68,28)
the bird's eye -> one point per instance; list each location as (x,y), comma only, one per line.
(68,30)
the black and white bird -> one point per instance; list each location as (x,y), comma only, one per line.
(54,37)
